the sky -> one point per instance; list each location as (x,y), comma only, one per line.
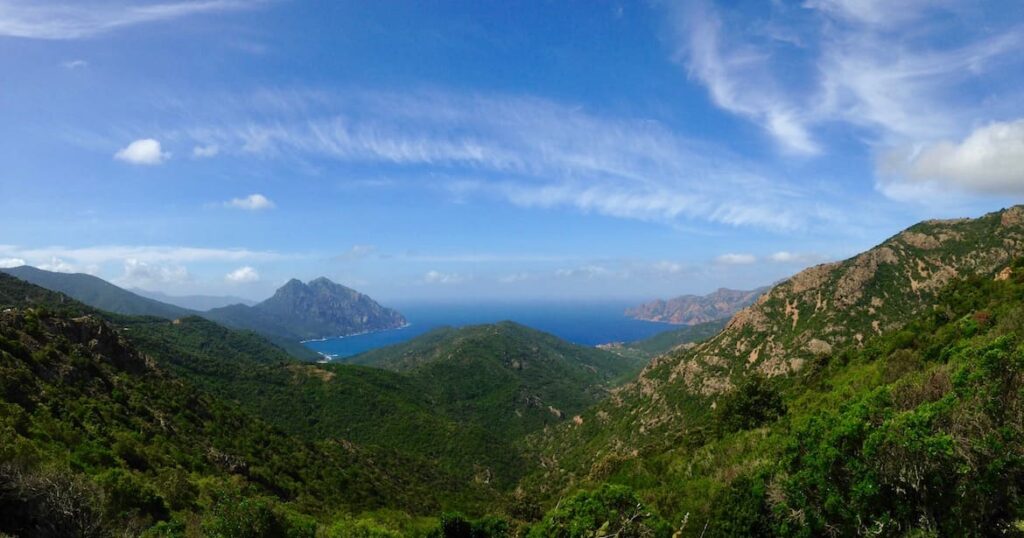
(461,151)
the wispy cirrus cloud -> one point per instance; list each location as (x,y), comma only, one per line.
(527,151)
(82,19)
(893,70)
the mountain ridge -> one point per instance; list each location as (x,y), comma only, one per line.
(696,309)
(811,316)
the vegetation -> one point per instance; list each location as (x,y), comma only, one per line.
(123,425)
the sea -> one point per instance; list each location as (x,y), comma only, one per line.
(586,324)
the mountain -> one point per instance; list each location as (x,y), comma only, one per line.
(99,439)
(888,329)
(318,309)
(883,395)
(97,293)
(695,309)
(199,303)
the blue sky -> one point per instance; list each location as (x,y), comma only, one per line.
(465,150)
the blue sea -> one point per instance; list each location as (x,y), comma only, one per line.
(581,323)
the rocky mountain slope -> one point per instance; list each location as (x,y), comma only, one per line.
(318,309)
(696,309)
(816,314)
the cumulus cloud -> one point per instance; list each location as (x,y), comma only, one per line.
(6,263)
(59,265)
(736,259)
(990,160)
(437,277)
(145,151)
(253,202)
(140,273)
(205,152)
(243,275)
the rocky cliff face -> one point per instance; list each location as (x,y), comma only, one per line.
(695,309)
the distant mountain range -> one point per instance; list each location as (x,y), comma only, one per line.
(199,303)
(295,312)
(318,309)
(695,309)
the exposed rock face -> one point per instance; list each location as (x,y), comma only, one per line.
(694,309)
(815,313)
(318,309)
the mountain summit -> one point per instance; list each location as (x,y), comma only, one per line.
(318,309)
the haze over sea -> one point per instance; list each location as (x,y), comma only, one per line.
(584,323)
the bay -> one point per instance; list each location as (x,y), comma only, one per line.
(581,323)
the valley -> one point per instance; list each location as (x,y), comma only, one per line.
(878,392)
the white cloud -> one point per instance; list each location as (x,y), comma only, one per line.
(736,259)
(205,152)
(253,202)
(874,12)
(585,271)
(437,277)
(357,252)
(990,160)
(243,275)
(797,257)
(731,70)
(58,265)
(99,255)
(145,151)
(139,273)
(527,151)
(75,64)
(81,19)
(876,65)
(668,268)
(6,263)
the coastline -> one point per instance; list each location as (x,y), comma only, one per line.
(326,338)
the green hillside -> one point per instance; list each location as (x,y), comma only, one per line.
(96,439)
(483,386)
(879,395)
(97,293)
